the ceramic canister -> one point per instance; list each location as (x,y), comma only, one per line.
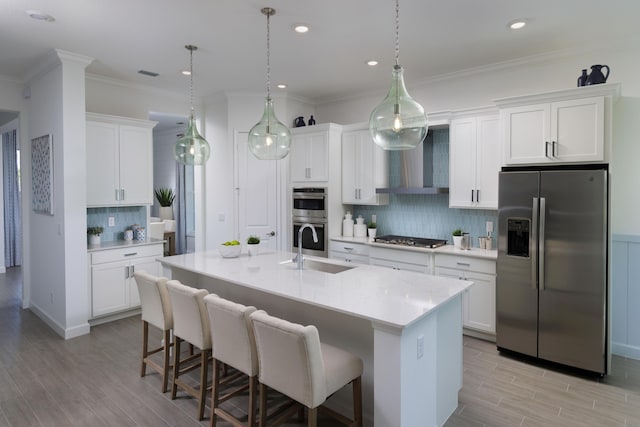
(139,233)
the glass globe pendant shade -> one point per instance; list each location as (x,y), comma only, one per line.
(399,122)
(269,139)
(192,148)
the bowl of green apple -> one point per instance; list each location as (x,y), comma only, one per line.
(230,249)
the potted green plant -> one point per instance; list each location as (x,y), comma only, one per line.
(94,233)
(252,245)
(457,238)
(372,228)
(165,197)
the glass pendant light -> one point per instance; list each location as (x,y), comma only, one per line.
(269,139)
(399,122)
(192,148)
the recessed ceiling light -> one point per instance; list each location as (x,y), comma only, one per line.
(282,86)
(372,63)
(517,24)
(301,28)
(40,16)
(186,72)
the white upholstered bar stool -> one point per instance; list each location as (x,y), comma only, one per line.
(156,310)
(294,362)
(190,324)
(233,344)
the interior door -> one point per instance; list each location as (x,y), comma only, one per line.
(256,195)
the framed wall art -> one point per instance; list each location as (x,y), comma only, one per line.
(42,174)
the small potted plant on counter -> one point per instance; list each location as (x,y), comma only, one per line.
(252,245)
(94,233)
(372,227)
(457,238)
(165,197)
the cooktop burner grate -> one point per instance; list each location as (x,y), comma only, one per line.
(418,242)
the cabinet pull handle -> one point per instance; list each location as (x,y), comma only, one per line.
(553,149)
(117,194)
(471,196)
(132,270)
(122,190)
(126,272)
(346,248)
(546,148)
(131,254)
(463,263)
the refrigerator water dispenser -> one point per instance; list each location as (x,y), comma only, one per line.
(518,237)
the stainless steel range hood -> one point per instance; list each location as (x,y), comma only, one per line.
(416,171)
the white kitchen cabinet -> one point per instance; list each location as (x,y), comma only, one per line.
(313,148)
(349,251)
(365,167)
(113,287)
(474,162)
(119,161)
(479,301)
(401,259)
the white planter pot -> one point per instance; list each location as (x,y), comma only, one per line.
(457,242)
(94,239)
(253,249)
(372,233)
(166,212)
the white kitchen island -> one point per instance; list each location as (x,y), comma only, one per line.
(407,327)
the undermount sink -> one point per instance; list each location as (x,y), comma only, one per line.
(325,267)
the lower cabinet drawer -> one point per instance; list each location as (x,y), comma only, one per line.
(466,263)
(120,254)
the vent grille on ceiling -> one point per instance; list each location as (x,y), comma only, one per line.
(148,73)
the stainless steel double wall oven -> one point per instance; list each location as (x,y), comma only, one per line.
(310,207)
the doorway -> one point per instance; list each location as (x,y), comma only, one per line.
(11,191)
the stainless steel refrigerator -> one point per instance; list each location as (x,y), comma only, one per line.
(551,294)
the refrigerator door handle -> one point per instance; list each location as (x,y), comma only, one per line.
(533,244)
(543,210)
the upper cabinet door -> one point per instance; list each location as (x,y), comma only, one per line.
(526,134)
(474,162)
(136,165)
(102,164)
(310,157)
(577,130)
(364,168)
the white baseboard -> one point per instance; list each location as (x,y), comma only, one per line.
(63,332)
(111,317)
(625,350)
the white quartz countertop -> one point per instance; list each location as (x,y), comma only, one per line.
(391,297)
(446,249)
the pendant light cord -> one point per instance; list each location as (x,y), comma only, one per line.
(397,31)
(268,58)
(191,48)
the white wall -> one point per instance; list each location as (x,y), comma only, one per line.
(546,73)
(57,246)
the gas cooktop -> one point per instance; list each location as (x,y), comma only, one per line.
(418,242)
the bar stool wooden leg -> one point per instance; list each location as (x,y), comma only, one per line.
(166,361)
(145,348)
(204,373)
(176,366)
(312,417)
(263,405)
(357,401)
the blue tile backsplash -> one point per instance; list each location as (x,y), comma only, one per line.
(124,216)
(420,215)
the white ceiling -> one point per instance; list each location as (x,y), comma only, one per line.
(436,37)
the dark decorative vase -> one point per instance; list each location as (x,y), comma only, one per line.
(312,121)
(299,122)
(596,77)
(582,80)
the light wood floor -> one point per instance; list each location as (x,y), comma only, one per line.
(94,381)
